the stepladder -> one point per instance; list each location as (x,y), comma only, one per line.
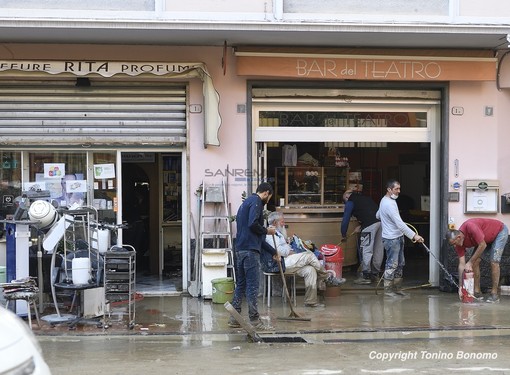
(215,236)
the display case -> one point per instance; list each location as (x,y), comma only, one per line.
(310,186)
(335,184)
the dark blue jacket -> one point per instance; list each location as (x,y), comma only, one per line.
(250,224)
(363,208)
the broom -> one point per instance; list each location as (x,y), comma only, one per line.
(293,315)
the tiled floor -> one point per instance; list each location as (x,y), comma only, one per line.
(153,285)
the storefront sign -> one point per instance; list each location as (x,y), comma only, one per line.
(103,68)
(138,157)
(111,68)
(369,67)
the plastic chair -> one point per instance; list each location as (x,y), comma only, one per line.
(268,286)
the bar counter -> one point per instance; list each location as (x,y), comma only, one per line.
(321,225)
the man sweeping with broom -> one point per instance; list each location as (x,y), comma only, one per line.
(250,235)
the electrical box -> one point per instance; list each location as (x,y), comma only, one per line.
(482,196)
(505,203)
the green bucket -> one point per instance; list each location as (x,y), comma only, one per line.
(2,274)
(222,290)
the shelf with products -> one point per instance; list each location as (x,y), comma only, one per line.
(311,186)
(105,184)
(335,184)
(105,199)
(172,188)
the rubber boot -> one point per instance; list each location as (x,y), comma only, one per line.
(388,289)
(397,287)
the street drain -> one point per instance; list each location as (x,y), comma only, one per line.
(283,339)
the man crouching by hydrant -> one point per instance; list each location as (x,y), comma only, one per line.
(479,232)
(393,232)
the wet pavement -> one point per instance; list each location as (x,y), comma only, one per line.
(347,310)
(357,332)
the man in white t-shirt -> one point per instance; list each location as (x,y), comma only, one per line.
(393,232)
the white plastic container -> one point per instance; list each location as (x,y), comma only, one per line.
(80,270)
(103,240)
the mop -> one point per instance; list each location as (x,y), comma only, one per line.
(293,315)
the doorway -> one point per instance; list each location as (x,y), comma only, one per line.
(152,208)
(379,138)
(136,196)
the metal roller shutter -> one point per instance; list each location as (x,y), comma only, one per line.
(60,113)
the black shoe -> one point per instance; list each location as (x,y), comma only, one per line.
(335,281)
(375,278)
(260,326)
(362,281)
(314,305)
(493,298)
(232,323)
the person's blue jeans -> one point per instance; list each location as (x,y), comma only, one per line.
(395,261)
(498,245)
(247,281)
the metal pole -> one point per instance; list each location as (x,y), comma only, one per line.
(40,278)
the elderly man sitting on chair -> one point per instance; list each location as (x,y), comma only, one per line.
(304,264)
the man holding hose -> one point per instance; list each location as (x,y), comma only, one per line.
(393,232)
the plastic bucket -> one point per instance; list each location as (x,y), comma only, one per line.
(222,290)
(3,274)
(81,270)
(334,258)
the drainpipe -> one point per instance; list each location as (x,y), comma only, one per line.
(278,10)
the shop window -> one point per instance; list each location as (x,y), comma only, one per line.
(10,182)
(62,173)
(105,186)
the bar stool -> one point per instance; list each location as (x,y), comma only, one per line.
(30,298)
(267,287)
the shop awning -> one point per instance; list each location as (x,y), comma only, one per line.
(180,70)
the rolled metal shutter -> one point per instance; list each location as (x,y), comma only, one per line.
(62,113)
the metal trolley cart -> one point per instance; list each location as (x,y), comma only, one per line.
(119,282)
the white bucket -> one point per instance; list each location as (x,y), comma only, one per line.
(81,270)
(103,240)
